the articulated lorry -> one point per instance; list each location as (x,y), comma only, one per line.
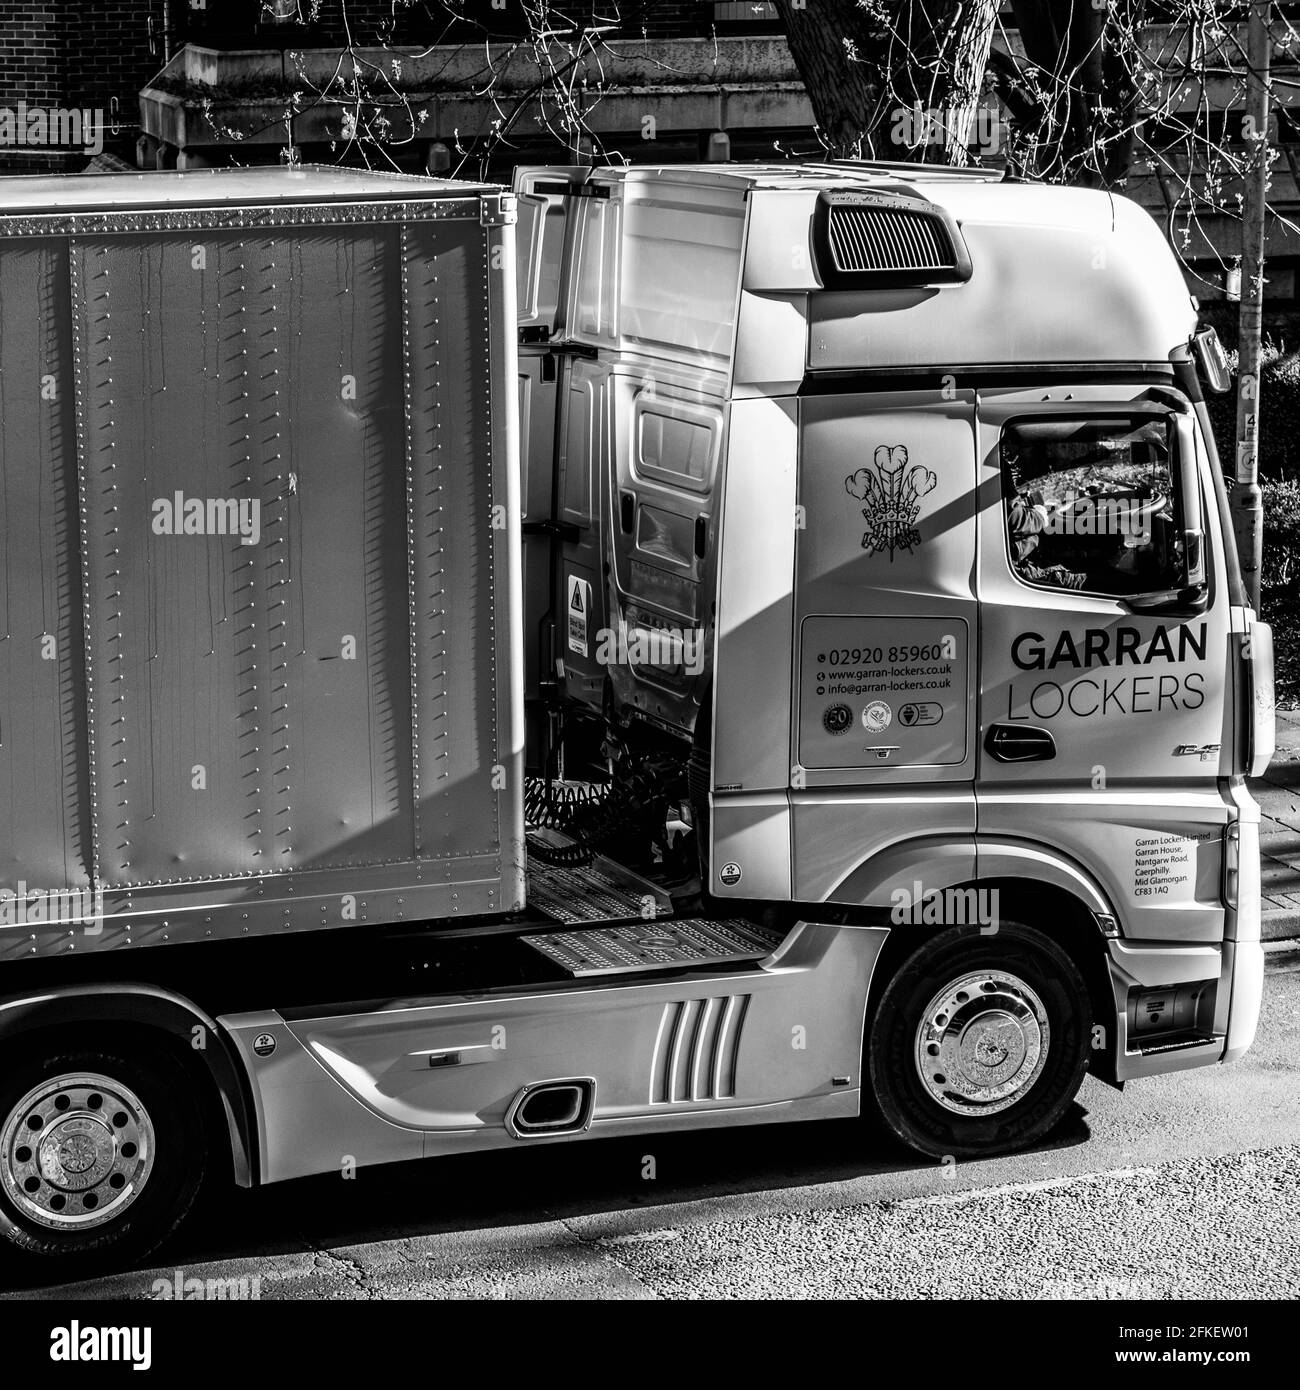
(657,648)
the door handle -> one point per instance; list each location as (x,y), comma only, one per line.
(626,510)
(432,1057)
(1019,743)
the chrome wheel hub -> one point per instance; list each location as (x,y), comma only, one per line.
(982,1042)
(76,1151)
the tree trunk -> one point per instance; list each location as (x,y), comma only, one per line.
(1084,134)
(905,86)
(838,51)
(973,40)
(1120,97)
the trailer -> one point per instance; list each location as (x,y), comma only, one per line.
(659,648)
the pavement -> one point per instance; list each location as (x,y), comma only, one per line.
(1278,794)
(1184,1186)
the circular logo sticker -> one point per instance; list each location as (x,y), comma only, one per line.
(264,1044)
(730,874)
(877,717)
(837,719)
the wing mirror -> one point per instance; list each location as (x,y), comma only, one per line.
(1211,361)
(1193,594)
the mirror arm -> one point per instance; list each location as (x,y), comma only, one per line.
(1171,602)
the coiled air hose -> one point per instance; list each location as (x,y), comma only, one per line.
(564,806)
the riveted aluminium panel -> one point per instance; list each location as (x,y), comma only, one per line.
(453,577)
(293,432)
(44,789)
(245,524)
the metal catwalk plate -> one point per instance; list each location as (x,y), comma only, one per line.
(601,891)
(654,945)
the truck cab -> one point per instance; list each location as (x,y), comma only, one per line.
(922,459)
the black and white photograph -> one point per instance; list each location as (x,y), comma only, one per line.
(650,652)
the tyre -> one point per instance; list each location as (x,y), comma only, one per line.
(979,1043)
(101,1156)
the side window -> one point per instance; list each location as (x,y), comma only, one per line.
(674,448)
(1092,504)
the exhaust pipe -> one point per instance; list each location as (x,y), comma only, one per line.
(552,1107)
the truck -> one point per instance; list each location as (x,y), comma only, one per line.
(654,648)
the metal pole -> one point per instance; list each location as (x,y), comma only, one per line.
(1247,500)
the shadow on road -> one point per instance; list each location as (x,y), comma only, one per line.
(551,1182)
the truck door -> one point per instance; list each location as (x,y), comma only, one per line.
(883,751)
(679,280)
(1104,706)
(666,451)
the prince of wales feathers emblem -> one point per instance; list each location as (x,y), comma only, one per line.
(891,494)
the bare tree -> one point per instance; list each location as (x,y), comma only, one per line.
(550,71)
(1087,93)
(1074,99)
(1084,94)
(1093,95)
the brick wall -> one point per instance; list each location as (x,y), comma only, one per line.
(33,68)
(32,51)
(93,54)
(112,52)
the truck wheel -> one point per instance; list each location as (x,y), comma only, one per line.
(101,1156)
(979,1043)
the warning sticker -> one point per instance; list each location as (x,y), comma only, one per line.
(579,610)
(889,691)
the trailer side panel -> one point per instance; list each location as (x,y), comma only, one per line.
(256,535)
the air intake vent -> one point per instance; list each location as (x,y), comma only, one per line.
(697,1049)
(876,240)
(887,239)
